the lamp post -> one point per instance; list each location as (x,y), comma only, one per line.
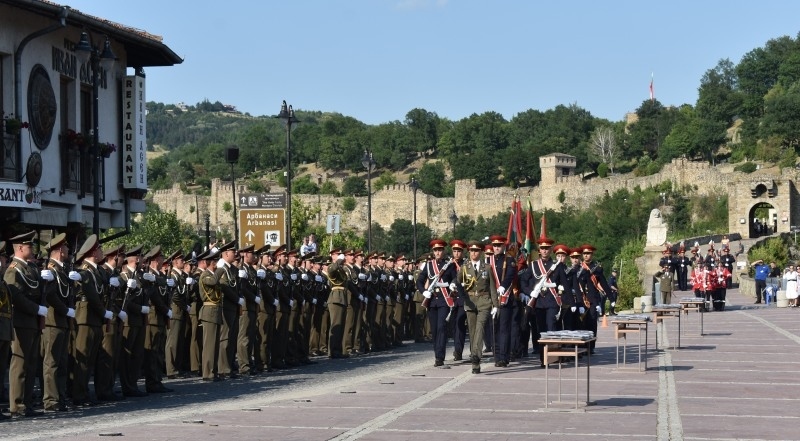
(287,116)
(454,219)
(414,187)
(208,230)
(232,156)
(369,164)
(88,53)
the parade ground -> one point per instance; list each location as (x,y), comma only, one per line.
(736,381)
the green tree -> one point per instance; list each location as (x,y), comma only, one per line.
(431,177)
(303,185)
(354,186)
(157,227)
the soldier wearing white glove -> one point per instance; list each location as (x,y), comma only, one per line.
(291,303)
(294,276)
(258,300)
(150,277)
(242,274)
(573,309)
(318,278)
(582,310)
(261,273)
(71,312)
(171,282)
(501,290)
(169,314)
(279,276)
(108,315)
(132,283)
(114,281)
(304,276)
(426,294)
(494,311)
(74,276)
(123,316)
(42,311)
(362,276)
(145,309)
(241,301)
(190,280)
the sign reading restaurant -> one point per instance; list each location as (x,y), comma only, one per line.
(134,133)
(19,195)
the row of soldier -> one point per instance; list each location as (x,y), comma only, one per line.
(709,276)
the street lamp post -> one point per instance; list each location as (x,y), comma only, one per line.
(287,116)
(414,187)
(91,54)
(232,156)
(369,164)
(454,219)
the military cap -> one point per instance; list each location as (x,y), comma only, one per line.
(474,245)
(153,253)
(561,249)
(202,255)
(88,247)
(335,251)
(176,255)
(391,257)
(3,248)
(587,249)
(263,250)
(359,252)
(381,255)
(372,255)
(280,250)
(114,250)
(437,243)
(135,251)
(211,255)
(192,259)
(457,244)
(24,238)
(293,252)
(227,246)
(349,252)
(497,240)
(326,261)
(248,249)
(401,257)
(488,250)
(309,256)
(56,241)
(544,242)
(575,252)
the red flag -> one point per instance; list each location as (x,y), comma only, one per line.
(514,228)
(529,230)
(652,92)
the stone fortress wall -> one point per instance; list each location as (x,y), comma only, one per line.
(397,201)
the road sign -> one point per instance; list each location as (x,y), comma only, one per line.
(262,219)
(262,226)
(334,221)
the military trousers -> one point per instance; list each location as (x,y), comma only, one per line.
(195,341)
(350,321)
(476,318)
(436,317)
(130,367)
(314,340)
(154,350)
(54,366)
(337,314)
(503,332)
(227,341)
(87,346)
(107,367)
(397,322)
(246,340)
(459,319)
(175,343)
(25,362)
(418,322)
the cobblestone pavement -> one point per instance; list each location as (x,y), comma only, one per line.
(737,381)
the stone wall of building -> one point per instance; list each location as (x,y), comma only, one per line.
(397,201)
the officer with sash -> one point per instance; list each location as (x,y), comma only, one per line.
(434,282)
(459,318)
(546,285)
(503,270)
(592,284)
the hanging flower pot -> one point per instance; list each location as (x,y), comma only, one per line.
(106,149)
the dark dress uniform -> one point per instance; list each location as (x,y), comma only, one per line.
(227,280)
(195,330)
(281,335)
(6,324)
(176,341)
(459,315)
(548,301)
(267,286)
(130,367)
(592,283)
(438,309)
(684,268)
(156,329)
(23,283)
(110,347)
(503,271)
(246,340)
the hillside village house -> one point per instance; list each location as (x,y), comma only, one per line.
(72,93)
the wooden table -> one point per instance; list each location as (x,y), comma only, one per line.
(698,305)
(661,313)
(630,326)
(557,348)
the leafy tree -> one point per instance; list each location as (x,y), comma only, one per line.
(348,203)
(430,177)
(400,237)
(303,185)
(157,227)
(386,179)
(355,186)
(423,129)
(328,187)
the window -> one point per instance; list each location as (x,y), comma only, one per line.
(8,143)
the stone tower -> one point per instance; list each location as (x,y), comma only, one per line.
(556,166)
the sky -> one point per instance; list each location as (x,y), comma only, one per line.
(375,60)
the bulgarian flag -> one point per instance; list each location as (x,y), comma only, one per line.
(514,228)
(529,230)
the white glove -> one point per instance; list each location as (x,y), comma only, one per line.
(535,294)
(42,311)
(241,301)
(613,304)
(573,309)
(275,302)
(524,298)
(494,311)
(453,286)
(214,250)
(407,297)
(294,276)
(400,277)
(71,312)
(313,301)
(304,276)
(501,290)
(362,276)
(426,294)
(361,297)
(123,316)
(340,256)
(190,280)
(279,276)
(258,300)
(47,275)
(261,273)
(318,278)
(598,309)
(188,308)
(391,278)
(582,310)
(114,281)
(170,282)
(169,313)
(74,276)
(132,283)
(383,277)
(291,303)
(145,310)
(150,277)
(387,299)
(242,274)
(108,315)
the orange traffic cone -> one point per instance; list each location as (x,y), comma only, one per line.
(605,321)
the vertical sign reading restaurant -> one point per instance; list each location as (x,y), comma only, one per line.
(134,130)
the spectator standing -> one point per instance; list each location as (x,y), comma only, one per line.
(762,270)
(304,248)
(312,243)
(790,283)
